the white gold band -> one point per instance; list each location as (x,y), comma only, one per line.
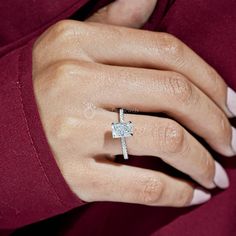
(122,130)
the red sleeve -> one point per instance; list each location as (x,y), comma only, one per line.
(31,185)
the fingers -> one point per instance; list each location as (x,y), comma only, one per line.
(166,139)
(156,91)
(109,181)
(131,13)
(130,47)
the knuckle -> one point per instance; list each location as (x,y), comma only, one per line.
(62,69)
(219,117)
(68,70)
(152,189)
(91,187)
(184,196)
(222,124)
(171,137)
(58,77)
(207,170)
(69,31)
(49,83)
(62,128)
(173,48)
(225,127)
(63,28)
(136,16)
(50,39)
(54,81)
(217,84)
(181,89)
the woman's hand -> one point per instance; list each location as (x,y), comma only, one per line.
(82,71)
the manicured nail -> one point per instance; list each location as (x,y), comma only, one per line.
(200,196)
(221,178)
(231,101)
(234,140)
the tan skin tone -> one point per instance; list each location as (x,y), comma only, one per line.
(82,71)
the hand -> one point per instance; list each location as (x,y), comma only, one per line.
(82,71)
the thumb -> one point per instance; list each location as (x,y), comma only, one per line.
(129,13)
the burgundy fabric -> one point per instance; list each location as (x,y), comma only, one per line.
(32,188)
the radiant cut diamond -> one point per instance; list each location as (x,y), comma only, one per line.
(120,130)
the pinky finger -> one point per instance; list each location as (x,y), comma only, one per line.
(110,181)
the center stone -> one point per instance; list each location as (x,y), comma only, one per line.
(120,130)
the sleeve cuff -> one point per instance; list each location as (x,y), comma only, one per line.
(32,186)
(43,154)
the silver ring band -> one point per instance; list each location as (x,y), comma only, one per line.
(122,130)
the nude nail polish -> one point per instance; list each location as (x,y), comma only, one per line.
(231,101)
(234,140)
(221,178)
(200,196)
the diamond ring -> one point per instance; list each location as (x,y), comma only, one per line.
(122,130)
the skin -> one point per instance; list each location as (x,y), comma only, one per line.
(83,71)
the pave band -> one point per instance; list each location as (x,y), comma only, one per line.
(122,130)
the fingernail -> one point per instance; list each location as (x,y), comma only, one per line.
(200,196)
(221,178)
(231,101)
(234,140)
